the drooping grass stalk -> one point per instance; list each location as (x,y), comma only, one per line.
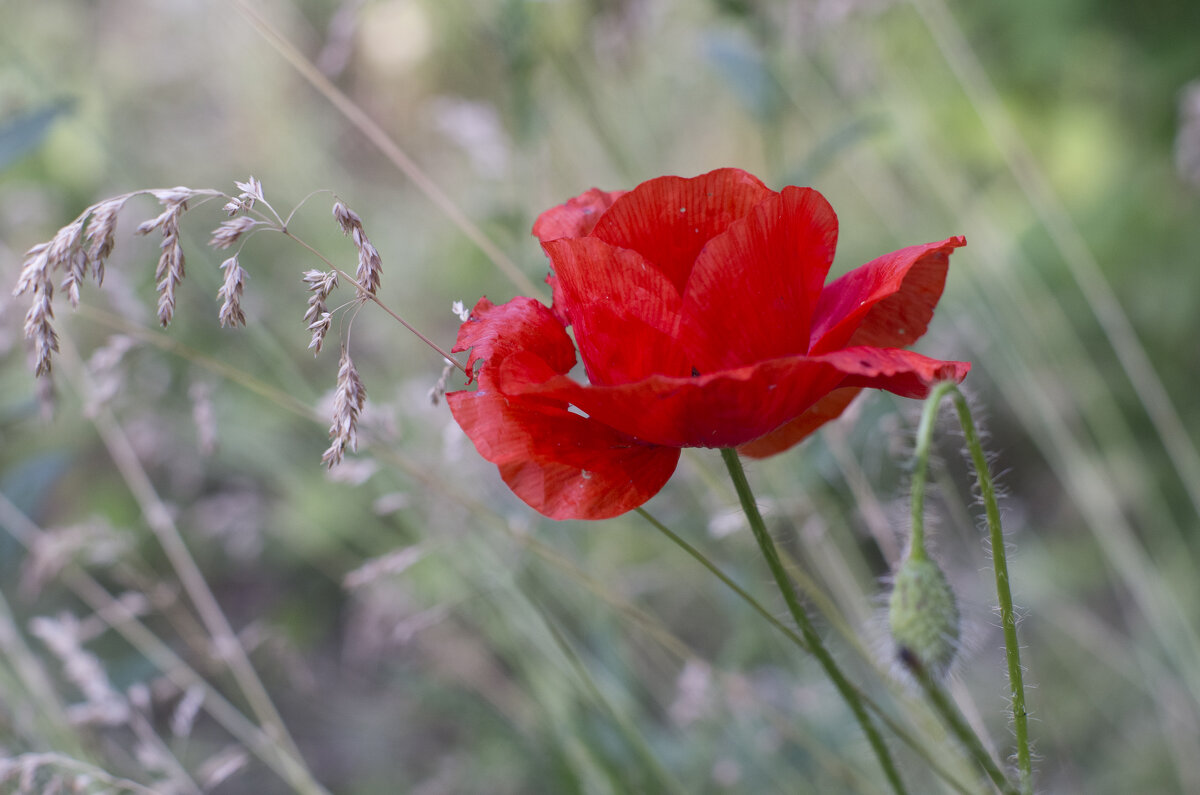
(902,733)
(1008,620)
(665,782)
(807,630)
(158,518)
(1081,262)
(128,625)
(358,117)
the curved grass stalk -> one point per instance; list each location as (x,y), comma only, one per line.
(117,615)
(226,644)
(354,114)
(1076,253)
(800,643)
(807,630)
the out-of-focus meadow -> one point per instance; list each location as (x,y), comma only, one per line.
(417,627)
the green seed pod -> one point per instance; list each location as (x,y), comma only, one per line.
(923,616)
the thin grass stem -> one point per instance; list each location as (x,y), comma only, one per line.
(354,114)
(901,732)
(1081,262)
(812,639)
(444,354)
(118,615)
(160,521)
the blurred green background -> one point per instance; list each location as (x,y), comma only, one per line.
(504,653)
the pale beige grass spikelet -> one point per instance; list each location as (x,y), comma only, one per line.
(230,294)
(102,704)
(170,270)
(317,316)
(231,231)
(348,402)
(370,266)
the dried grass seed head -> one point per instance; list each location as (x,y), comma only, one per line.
(231,231)
(170,270)
(317,317)
(100,233)
(39,329)
(319,328)
(370,265)
(230,294)
(251,191)
(348,401)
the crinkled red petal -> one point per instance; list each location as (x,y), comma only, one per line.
(886,303)
(724,409)
(624,311)
(561,464)
(668,220)
(575,217)
(824,410)
(752,292)
(731,407)
(904,373)
(494,333)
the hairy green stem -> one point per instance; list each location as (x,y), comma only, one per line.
(901,732)
(1008,619)
(945,707)
(807,630)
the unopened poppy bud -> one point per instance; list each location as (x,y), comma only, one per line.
(923,616)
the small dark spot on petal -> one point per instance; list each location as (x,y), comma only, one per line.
(695,373)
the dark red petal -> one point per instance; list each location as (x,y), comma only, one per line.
(724,409)
(575,217)
(494,333)
(886,303)
(669,219)
(559,463)
(904,373)
(624,311)
(733,407)
(752,293)
(824,410)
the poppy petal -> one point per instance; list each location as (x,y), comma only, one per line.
(625,312)
(575,217)
(723,409)
(904,373)
(493,333)
(886,303)
(561,464)
(731,407)
(668,220)
(753,290)
(824,410)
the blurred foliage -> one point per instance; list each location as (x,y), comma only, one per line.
(518,655)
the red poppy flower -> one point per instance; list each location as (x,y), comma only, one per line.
(703,319)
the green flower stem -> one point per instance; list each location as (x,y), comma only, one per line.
(945,707)
(1008,616)
(1008,619)
(900,731)
(920,473)
(811,638)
